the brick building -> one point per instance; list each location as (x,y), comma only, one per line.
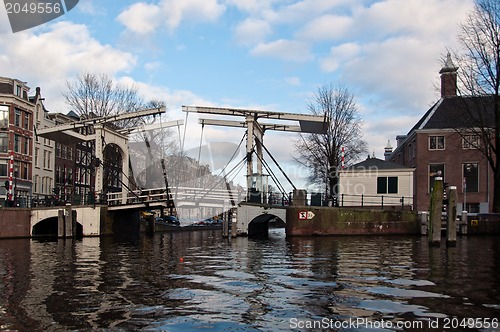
(438,145)
(16,141)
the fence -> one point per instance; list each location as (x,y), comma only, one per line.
(366,201)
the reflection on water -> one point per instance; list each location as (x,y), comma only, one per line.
(196,280)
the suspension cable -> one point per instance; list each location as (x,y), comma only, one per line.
(227,164)
(279,167)
(273,176)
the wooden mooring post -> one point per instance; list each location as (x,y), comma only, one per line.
(451,221)
(436,212)
(225,224)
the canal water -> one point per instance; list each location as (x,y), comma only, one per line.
(197,281)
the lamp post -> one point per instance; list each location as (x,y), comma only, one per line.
(467,170)
(15,188)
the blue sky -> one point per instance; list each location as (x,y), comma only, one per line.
(264,54)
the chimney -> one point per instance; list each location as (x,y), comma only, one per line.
(388,150)
(448,78)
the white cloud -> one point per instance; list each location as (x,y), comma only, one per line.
(300,12)
(339,55)
(152,66)
(289,50)
(380,130)
(4,21)
(252,31)
(393,17)
(395,60)
(326,27)
(144,18)
(56,53)
(89,7)
(292,81)
(141,17)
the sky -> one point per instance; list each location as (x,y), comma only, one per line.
(260,54)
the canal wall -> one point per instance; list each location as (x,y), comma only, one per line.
(14,222)
(481,224)
(307,220)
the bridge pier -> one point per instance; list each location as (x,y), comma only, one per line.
(66,222)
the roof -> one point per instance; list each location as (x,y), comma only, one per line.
(458,112)
(372,163)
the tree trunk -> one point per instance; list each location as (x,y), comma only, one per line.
(496,192)
(496,168)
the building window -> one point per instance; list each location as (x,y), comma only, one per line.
(4,117)
(26,120)
(435,170)
(471,177)
(3,168)
(17,117)
(58,174)
(470,141)
(37,151)
(45,159)
(35,184)
(58,150)
(64,153)
(436,142)
(19,90)
(17,143)
(4,142)
(387,185)
(49,156)
(25,171)
(26,145)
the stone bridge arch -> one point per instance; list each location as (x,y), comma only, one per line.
(45,221)
(253,219)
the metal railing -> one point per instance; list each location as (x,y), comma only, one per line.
(381,201)
(362,200)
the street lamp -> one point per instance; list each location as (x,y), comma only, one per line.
(15,188)
(468,167)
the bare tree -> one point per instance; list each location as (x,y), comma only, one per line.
(149,148)
(92,95)
(480,83)
(322,153)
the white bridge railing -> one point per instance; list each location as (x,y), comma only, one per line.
(181,196)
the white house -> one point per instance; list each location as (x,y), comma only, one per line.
(43,151)
(375,182)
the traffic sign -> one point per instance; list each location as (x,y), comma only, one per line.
(306,215)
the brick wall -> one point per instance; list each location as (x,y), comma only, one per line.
(14,223)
